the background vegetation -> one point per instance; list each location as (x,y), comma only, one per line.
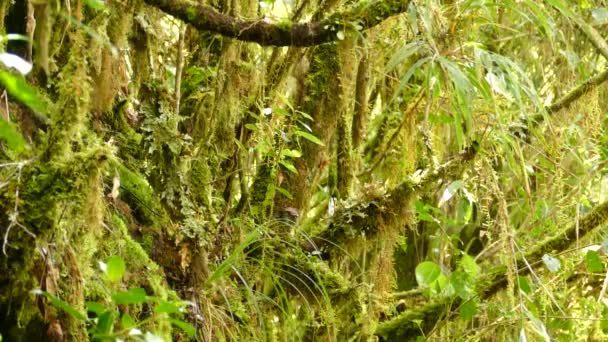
(303,170)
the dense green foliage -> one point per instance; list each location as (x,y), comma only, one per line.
(303,170)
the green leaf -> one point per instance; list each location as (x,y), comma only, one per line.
(95,4)
(96,308)
(17,87)
(127,321)
(468,310)
(11,136)
(594,263)
(60,304)
(423,213)
(105,323)
(469,265)
(116,268)
(187,328)
(133,296)
(310,137)
(463,284)
(523,284)
(291,153)
(167,307)
(289,166)
(284,192)
(427,272)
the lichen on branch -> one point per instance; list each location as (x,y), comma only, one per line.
(205,18)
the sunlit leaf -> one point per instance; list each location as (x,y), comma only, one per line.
(291,153)
(17,87)
(11,137)
(309,137)
(95,4)
(289,166)
(115,268)
(167,307)
(96,308)
(427,272)
(132,296)
(127,321)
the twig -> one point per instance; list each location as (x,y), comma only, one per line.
(179,67)
(13,217)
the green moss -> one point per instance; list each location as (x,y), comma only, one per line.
(263,191)
(284,25)
(141,197)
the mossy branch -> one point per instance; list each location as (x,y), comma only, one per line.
(366,14)
(602,47)
(367,215)
(412,323)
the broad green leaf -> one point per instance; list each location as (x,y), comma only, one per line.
(11,136)
(167,307)
(594,263)
(105,323)
(469,265)
(132,296)
(95,4)
(96,308)
(18,88)
(115,268)
(310,137)
(187,328)
(523,285)
(463,284)
(427,272)
(468,310)
(127,321)
(423,212)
